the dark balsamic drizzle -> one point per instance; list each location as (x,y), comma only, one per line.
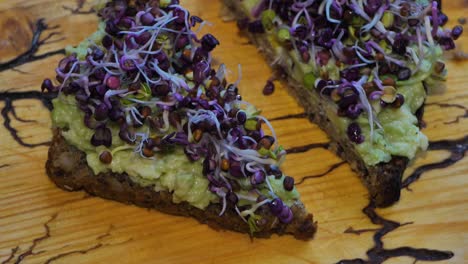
(332,168)
(83,251)
(458,106)
(12,255)
(20,71)
(45,98)
(293,116)
(78,9)
(100,244)
(13,112)
(305,148)
(36,42)
(457,149)
(8,98)
(30,251)
(351,230)
(378,254)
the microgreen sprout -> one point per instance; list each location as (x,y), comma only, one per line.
(151,80)
(362,40)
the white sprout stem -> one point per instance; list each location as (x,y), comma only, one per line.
(359,10)
(144,138)
(239,75)
(166,121)
(186,17)
(365,102)
(246,197)
(223,209)
(377,80)
(375,20)
(321,8)
(239,213)
(327,10)
(364,59)
(272,192)
(112,72)
(148,80)
(298,15)
(141,102)
(254,208)
(427,25)
(221,73)
(134,114)
(67,76)
(273,133)
(110,93)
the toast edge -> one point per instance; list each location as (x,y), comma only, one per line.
(67,168)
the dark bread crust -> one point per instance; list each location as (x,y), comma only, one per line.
(384,180)
(68,169)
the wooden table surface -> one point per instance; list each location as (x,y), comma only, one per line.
(40,223)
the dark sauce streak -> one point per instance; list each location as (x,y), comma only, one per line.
(20,71)
(332,168)
(13,132)
(12,255)
(457,149)
(8,98)
(78,9)
(305,148)
(36,241)
(4,166)
(45,98)
(83,251)
(30,251)
(36,42)
(13,112)
(300,115)
(100,244)
(351,230)
(107,233)
(458,106)
(378,254)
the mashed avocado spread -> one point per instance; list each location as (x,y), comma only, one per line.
(398,134)
(171,171)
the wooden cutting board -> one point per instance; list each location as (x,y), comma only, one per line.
(40,223)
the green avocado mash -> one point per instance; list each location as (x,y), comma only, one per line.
(399,135)
(171,171)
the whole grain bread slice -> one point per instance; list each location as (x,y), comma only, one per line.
(384,180)
(68,169)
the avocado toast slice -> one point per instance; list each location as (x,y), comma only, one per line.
(361,69)
(141,117)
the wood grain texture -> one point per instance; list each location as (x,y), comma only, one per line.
(40,223)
